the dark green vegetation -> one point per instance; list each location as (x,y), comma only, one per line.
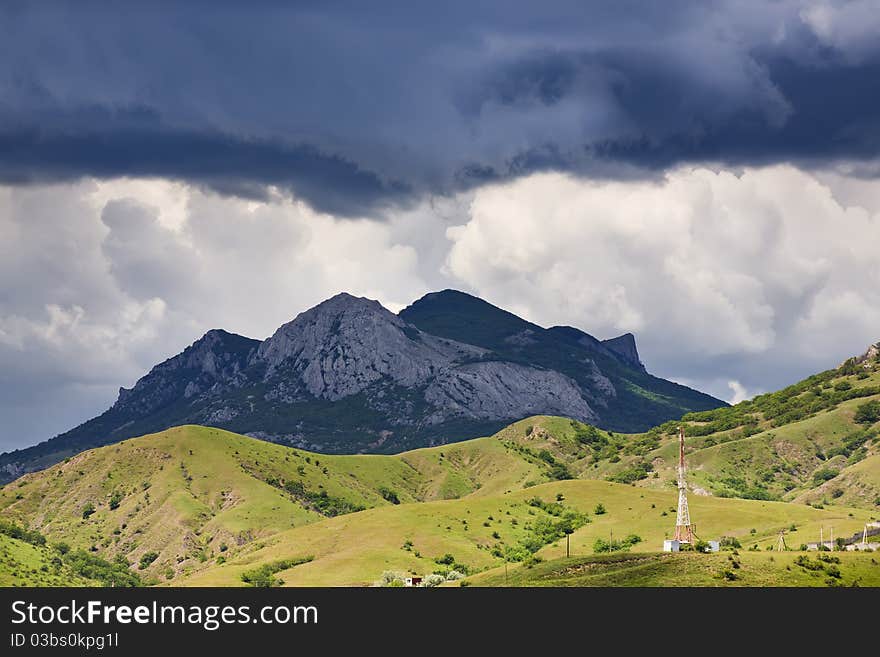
(264,576)
(27,560)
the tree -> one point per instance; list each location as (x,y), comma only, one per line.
(868,413)
(600,509)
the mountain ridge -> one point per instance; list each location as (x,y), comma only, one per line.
(348,375)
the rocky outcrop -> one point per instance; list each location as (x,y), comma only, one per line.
(871,356)
(215,361)
(625,347)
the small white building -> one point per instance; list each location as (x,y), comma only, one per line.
(863,547)
(671,545)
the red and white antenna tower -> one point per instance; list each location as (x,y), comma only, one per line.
(684,531)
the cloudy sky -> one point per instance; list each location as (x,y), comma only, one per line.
(703,174)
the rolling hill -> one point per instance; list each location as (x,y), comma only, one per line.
(201,506)
(813,442)
(349,376)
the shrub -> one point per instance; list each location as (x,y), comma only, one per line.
(389,495)
(115,499)
(446,560)
(263,576)
(115,573)
(27,535)
(391,578)
(823,474)
(833,571)
(600,509)
(601,545)
(88,510)
(729,542)
(433,580)
(147,558)
(868,413)
(634,473)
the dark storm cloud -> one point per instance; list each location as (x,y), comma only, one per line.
(354,109)
(224,162)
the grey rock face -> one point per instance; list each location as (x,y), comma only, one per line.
(217,359)
(346,344)
(499,390)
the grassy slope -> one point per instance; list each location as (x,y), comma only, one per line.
(781,460)
(641,569)
(23,564)
(191,491)
(356,549)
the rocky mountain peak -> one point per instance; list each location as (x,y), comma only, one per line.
(218,356)
(625,347)
(327,326)
(347,343)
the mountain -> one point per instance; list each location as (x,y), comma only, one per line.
(350,376)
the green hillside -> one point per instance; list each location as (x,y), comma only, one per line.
(814,442)
(192,494)
(479,531)
(721,569)
(24,564)
(202,506)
